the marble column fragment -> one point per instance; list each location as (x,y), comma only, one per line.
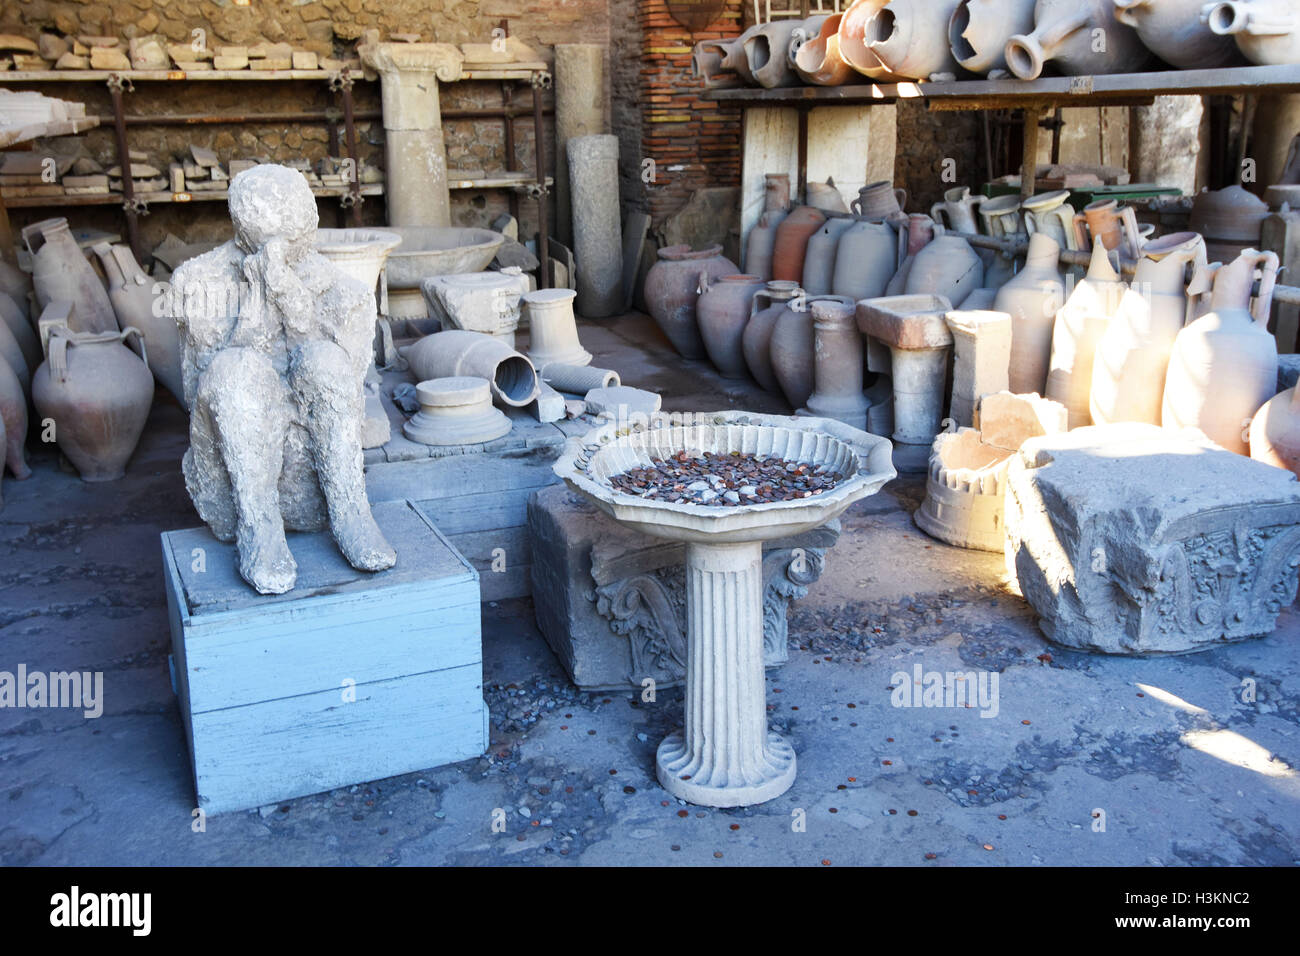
(597,235)
(579,111)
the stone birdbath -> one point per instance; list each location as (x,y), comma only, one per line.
(725,756)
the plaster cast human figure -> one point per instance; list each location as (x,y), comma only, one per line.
(276,342)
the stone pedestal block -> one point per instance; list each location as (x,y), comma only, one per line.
(580,91)
(981,353)
(597,234)
(1132,539)
(611,602)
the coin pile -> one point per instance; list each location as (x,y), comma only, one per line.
(725,480)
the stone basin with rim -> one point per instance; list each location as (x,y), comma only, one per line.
(725,756)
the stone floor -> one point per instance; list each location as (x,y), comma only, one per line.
(1087,760)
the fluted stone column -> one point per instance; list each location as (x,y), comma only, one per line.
(725,756)
(981,348)
(597,236)
(837,365)
(416,156)
(579,111)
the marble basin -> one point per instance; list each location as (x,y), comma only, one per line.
(725,756)
(427,251)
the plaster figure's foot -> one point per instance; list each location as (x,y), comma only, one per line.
(265,560)
(362,543)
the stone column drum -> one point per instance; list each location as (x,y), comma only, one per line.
(837,366)
(416,156)
(597,237)
(579,111)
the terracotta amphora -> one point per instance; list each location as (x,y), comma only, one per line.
(60,272)
(1223,366)
(978,31)
(1275,431)
(723,62)
(826,197)
(1174,31)
(761,243)
(946,267)
(918,234)
(1230,219)
(879,200)
(723,311)
(672,288)
(819,258)
(1266,31)
(11,353)
(792,347)
(13,412)
(765,49)
(1050,213)
(865,260)
(756,343)
(1032,299)
(134,301)
(805,32)
(1128,371)
(1115,225)
(1065,35)
(13,317)
(1078,328)
(910,38)
(792,237)
(97,392)
(856,32)
(818,59)
(15,283)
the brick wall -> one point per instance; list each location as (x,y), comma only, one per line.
(692,141)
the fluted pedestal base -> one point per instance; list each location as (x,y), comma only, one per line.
(725,756)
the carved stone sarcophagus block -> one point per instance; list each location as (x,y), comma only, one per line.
(1133,539)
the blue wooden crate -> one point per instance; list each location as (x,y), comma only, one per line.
(266,683)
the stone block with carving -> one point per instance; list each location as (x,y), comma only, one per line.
(1132,539)
(611,602)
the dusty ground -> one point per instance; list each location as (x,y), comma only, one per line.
(1088,760)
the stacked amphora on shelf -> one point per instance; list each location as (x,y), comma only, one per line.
(893,41)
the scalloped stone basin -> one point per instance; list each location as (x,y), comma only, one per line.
(725,755)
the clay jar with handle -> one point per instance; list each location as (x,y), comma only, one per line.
(1223,366)
(1050,213)
(978,31)
(1065,35)
(97,392)
(792,237)
(723,311)
(792,347)
(756,343)
(1275,431)
(672,288)
(1032,299)
(878,201)
(1115,225)
(1128,370)
(1174,31)
(1078,327)
(765,49)
(820,257)
(957,211)
(1001,216)
(910,37)
(1266,31)
(60,272)
(132,295)
(865,260)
